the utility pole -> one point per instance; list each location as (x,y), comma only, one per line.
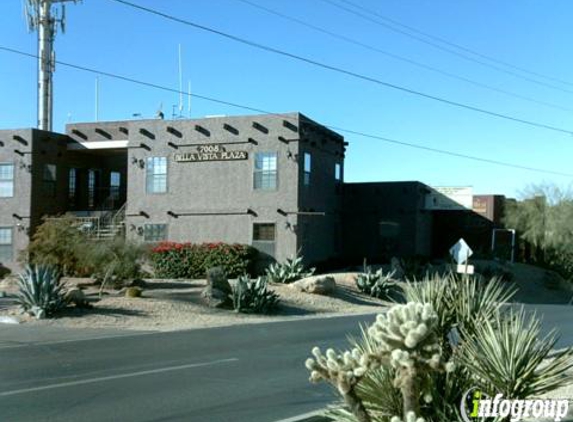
(44,17)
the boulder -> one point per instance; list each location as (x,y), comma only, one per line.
(77,297)
(320,285)
(217,293)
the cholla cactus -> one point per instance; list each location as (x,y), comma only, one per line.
(406,340)
(344,371)
(410,417)
(407,333)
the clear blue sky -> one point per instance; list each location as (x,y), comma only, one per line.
(532,34)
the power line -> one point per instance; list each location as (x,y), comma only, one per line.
(402,58)
(458,46)
(259,110)
(439,47)
(345,71)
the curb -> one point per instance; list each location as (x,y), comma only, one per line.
(315,416)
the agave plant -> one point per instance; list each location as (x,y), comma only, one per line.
(254,296)
(506,354)
(376,284)
(39,291)
(289,271)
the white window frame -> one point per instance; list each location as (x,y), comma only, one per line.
(150,175)
(10,181)
(8,246)
(262,172)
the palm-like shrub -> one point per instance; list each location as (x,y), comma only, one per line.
(254,296)
(376,284)
(496,350)
(291,270)
(507,355)
(39,291)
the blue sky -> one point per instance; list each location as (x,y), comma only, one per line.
(534,35)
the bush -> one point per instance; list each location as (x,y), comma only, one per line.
(452,336)
(289,271)
(39,291)
(378,284)
(117,261)
(254,296)
(187,260)
(58,243)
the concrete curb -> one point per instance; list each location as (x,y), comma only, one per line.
(315,416)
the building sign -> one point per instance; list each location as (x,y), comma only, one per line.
(211,152)
(450,198)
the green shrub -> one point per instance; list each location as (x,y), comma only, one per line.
(4,272)
(386,376)
(186,260)
(378,284)
(58,243)
(39,291)
(115,261)
(289,271)
(254,296)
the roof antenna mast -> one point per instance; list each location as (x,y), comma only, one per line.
(44,16)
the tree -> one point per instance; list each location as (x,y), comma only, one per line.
(544,219)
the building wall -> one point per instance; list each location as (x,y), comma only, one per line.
(214,201)
(382,220)
(15,211)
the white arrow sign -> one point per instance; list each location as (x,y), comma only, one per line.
(461,252)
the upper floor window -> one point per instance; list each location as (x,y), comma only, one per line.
(266,172)
(307,168)
(72,185)
(49,179)
(6,180)
(338,172)
(114,184)
(156,175)
(6,244)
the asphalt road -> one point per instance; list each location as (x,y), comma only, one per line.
(252,373)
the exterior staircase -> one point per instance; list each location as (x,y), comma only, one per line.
(103,225)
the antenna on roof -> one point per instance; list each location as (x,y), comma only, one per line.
(180,83)
(189,99)
(41,17)
(159,113)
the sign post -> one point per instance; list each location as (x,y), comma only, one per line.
(461,252)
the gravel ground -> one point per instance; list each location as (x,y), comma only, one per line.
(168,305)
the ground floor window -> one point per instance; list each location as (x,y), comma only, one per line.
(6,243)
(154,232)
(49,179)
(264,237)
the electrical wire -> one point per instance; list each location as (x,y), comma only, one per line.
(259,110)
(440,47)
(401,58)
(345,71)
(456,45)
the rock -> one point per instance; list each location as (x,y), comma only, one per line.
(396,267)
(8,320)
(217,279)
(133,292)
(218,292)
(319,285)
(76,296)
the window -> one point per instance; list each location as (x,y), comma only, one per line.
(307,168)
(264,235)
(6,180)
(114,185)
(338,172)
(92,175)
(49,179)
(264,232)
(72,185)
(5,244)
(265,171)
(156,175)
(154,232)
